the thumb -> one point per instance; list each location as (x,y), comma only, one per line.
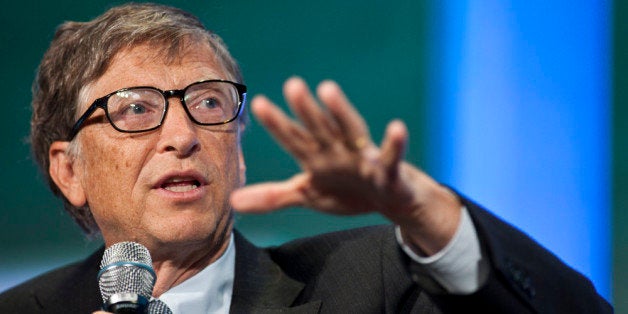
(269,196)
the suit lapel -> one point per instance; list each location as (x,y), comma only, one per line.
(260,286)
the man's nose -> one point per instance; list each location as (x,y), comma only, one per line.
(178,133)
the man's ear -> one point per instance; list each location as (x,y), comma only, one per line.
(63,172)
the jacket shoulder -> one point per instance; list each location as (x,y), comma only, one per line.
(69,289)
(364,268)
(361,245)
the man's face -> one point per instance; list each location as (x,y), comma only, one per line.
(170,185)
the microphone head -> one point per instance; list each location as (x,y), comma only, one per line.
(126,276)
(156,306)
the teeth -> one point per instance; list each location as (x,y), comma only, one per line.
(181,188)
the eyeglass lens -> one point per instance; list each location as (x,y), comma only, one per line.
(141,108)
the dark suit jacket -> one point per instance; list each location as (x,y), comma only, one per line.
(354,271)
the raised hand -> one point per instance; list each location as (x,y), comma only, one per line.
(344,172)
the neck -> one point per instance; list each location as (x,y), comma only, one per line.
(173,267)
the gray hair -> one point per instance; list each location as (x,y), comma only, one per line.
(81,52)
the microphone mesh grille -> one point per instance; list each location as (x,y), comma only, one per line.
(157,306)
(125,277)
(126,252)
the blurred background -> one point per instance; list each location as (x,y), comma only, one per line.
(516,104)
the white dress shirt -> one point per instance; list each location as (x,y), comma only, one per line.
(460,267)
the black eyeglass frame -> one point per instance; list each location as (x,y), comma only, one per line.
(102,103)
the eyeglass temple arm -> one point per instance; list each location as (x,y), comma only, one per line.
(79,123)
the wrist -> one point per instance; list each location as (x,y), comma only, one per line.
(434,219)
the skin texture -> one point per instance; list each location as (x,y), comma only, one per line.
(344,172)
(120,175)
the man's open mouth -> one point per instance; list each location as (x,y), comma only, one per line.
(181,186)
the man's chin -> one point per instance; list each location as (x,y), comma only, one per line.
(183,233)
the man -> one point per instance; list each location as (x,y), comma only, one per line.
(137,119)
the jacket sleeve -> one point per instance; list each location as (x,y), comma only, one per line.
(524,277)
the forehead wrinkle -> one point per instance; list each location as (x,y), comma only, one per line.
(169,67)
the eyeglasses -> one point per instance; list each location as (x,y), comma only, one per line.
(143,108)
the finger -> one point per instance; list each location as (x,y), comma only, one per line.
(393,147)
(306,108)
(269,196)
(348,119)
(288,133)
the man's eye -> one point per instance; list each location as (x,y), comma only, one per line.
(210,103)
(135,109)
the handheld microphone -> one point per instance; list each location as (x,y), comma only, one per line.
(156,306)
(126,278)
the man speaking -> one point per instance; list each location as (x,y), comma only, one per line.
(137,121)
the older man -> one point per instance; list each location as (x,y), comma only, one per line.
(137,120)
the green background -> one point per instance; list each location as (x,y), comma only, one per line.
(373,49)
(620,157)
